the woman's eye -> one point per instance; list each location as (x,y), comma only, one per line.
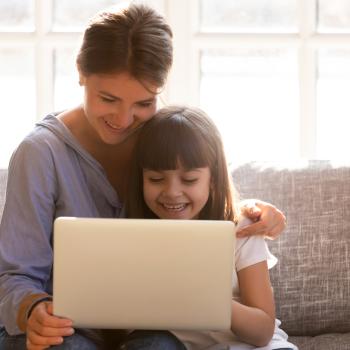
(106,99)
(145,104)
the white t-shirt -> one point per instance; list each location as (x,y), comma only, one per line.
(249,251)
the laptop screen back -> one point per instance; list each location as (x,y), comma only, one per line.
(144,274)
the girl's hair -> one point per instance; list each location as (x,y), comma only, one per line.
(187,136)
(135,39)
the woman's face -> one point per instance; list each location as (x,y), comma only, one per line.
(116,105)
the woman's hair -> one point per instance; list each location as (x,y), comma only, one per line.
(187,136)
(135,39)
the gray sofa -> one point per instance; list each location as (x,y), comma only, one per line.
(312,279)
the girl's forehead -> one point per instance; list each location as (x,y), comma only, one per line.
(177,170)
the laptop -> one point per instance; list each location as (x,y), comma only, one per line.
(143,273)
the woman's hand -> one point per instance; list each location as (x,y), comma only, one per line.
(268,220)
(44,329)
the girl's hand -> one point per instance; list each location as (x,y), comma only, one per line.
(44,329)
(268,220)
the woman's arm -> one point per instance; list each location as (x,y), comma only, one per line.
(25,234)
(268,220)
(26,251)
(253,320)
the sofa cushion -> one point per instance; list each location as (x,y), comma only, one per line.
(323,342)
(312,279)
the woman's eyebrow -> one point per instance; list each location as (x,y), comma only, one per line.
(109,95)
(151,99)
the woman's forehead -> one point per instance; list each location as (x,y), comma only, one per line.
(123,85)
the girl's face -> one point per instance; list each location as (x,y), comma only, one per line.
(115,105)
(176,194)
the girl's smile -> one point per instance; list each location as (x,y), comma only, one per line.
(174,207)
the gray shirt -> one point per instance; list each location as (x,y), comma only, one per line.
(50,175)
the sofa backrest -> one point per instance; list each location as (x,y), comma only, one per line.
(312,279)
(3,181)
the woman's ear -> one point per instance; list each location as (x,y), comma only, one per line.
(82,77)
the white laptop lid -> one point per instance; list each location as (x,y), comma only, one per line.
(143,274)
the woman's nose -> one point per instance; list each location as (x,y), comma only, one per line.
(123,118)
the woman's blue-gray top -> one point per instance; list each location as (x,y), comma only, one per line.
(50,175)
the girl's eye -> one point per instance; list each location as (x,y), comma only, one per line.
(155,179)
(190,181)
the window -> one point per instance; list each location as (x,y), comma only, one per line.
(273,74)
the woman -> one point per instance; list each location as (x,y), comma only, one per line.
(76,163)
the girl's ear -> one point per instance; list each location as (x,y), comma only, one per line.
(212,185)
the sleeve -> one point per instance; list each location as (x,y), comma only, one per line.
(252,250)
(25,232)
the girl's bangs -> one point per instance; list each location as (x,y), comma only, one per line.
(172,144)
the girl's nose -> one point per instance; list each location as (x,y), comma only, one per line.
(173,189)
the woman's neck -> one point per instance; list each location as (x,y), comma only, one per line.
(115,159)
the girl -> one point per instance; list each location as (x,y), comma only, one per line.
(180,172)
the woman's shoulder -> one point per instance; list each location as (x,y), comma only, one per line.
(40,146)
(48,133)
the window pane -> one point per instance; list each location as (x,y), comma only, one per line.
(333,107)
(334,16)
(253,97)
(17,16)
(67,92)
(248,16)
(17,91)
(72,16)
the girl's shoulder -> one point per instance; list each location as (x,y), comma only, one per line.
(243,221)
(252,249)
